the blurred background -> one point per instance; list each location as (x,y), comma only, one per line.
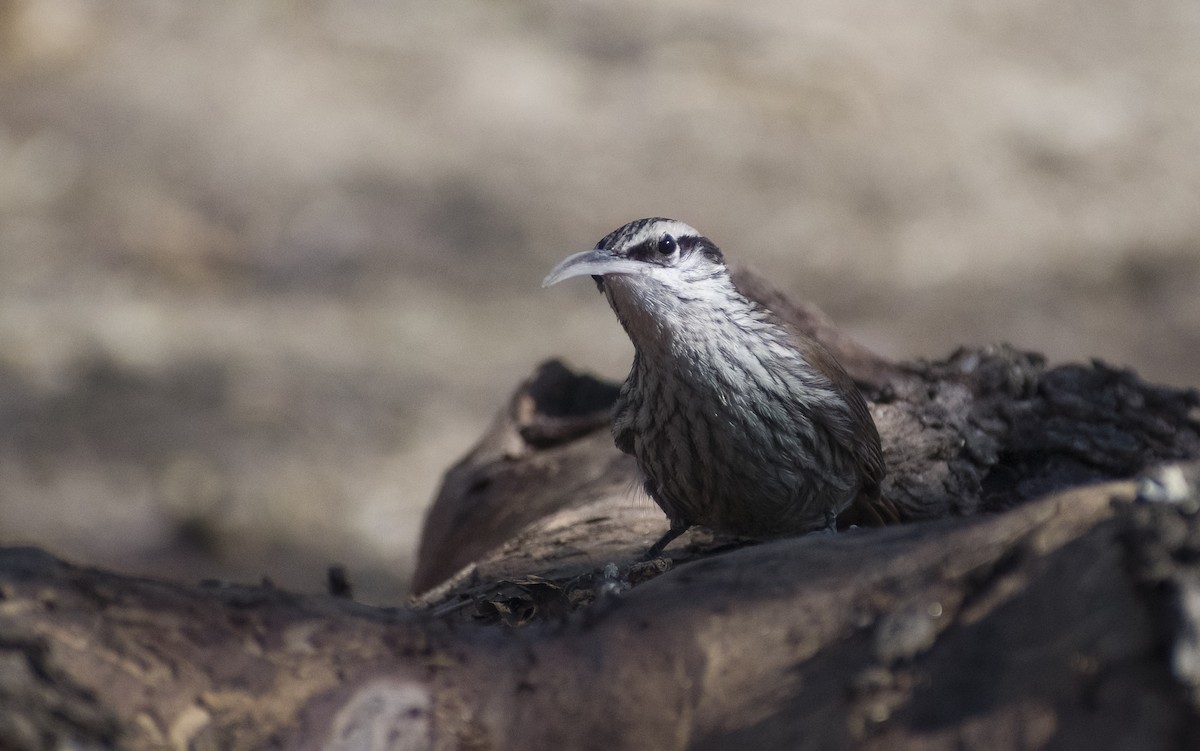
(267,268)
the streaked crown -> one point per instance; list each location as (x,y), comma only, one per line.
(656,239)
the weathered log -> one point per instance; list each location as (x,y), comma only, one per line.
(983,430)
(1024,629)
(1022,606)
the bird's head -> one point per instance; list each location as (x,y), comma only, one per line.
(649,255)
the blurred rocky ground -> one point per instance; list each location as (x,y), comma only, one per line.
(267,268)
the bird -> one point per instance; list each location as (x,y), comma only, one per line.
(737,422)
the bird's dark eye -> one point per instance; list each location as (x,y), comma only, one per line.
(667,245)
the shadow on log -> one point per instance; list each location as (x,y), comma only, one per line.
(1031,601)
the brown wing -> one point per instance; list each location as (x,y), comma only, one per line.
(803,322)
(869,508)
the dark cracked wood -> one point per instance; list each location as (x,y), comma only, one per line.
(982,430)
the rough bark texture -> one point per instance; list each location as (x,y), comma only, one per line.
(983,430)
(1067,615)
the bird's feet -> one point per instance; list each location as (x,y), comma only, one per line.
(657,548)
(830,527)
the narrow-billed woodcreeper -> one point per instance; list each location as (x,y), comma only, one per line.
(737,422)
